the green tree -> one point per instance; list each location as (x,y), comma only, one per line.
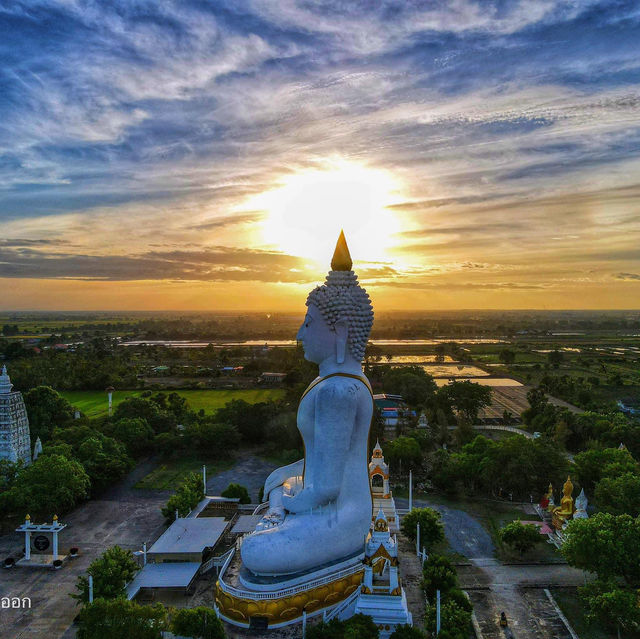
(214,439)
(51,485)
(46,409)
(134,432)
(121,619)
(104,459)
(612,607)
(357,627)
(161,421)
(404,452)
(555,358)
(250,419)
(605,544)
(407,632)
(438,573)
(237,490)
(507,356)
(111,572)
(189,493)
(467,398)
(593,465)
(200,622)
(455,622)
(415,386)
(431,528)
(619,495)
(521,537)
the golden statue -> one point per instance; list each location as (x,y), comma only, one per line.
(565,511)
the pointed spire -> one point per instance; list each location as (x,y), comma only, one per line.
(341,260)
(5,382)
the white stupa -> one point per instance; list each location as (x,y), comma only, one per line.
(381,595)
(15,441)
(581,506)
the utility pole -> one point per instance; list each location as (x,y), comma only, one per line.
(410,491)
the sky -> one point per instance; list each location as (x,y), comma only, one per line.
(204,155)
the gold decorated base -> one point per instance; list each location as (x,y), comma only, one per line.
(286,609)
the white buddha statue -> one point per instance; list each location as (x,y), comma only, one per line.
(320,507)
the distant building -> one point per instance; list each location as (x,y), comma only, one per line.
(15,440)
(393,408)
(232,370)
(272,378)
(160,370)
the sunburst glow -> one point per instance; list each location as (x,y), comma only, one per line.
(305,214)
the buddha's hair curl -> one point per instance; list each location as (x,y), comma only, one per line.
(342,298)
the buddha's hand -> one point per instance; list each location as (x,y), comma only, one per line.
(306,500)
(280,475)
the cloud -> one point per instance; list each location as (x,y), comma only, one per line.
(511,127)
(214,264)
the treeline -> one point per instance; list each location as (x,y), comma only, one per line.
(578,431)
(83,457)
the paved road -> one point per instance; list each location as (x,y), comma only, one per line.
(465,534)
(494,587)
(122,516)
(250,471)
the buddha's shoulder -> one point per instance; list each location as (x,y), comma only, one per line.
(341,387)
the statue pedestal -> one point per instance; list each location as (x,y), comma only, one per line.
(244,599)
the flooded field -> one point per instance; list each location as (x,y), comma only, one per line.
(292,342)
(487,381)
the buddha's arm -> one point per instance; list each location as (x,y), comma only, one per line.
(335,413)
(280,475)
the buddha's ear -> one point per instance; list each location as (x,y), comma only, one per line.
(342,333)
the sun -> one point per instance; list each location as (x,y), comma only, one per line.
(305,213)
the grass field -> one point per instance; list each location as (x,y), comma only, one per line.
(570,604)
(168,475)
(94,403)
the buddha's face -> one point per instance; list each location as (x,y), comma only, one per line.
(318,339)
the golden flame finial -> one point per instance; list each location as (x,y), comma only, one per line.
(341,260)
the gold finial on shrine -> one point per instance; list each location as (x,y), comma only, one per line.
(341,260)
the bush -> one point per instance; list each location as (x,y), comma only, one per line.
(197,622)
(186,498)
(438,573)
(455,621)
(521,537)
(121,619)
(111,572)
(357,627)
(431,529)
(237,490)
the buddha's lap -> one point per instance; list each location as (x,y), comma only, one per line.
(295,540)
